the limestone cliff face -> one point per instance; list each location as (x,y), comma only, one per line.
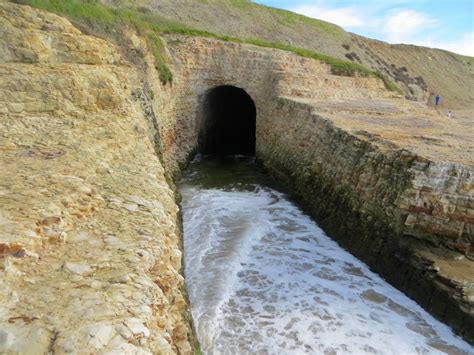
(90,247)
(89,241)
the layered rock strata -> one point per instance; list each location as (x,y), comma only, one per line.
(90,251)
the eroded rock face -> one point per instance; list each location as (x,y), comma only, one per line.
(89,242)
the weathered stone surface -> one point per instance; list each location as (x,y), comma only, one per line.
(73,150)
(77,268)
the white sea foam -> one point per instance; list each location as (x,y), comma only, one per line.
(264,279)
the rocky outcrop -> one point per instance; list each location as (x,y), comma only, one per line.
(90,251)
(90,246)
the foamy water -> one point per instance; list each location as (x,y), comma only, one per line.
(263,278)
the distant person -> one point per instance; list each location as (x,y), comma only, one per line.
(450,114)
(437,100)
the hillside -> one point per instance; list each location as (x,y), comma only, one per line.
(418,71)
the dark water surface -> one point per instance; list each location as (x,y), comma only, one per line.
(263,278)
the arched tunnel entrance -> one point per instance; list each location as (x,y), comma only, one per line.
(228,119)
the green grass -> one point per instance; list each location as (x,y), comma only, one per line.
(289,18)
(389,84)
(338,66)
(94,13)
(241,4)
(91,12)
(283,17)
(157,48)
(466,59)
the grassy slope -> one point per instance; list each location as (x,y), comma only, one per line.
(443,72)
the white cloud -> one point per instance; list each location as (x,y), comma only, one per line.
(404,25)
(462,45)
(347,17)
(408,26)
(384,21)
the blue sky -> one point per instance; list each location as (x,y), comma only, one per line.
(446,24)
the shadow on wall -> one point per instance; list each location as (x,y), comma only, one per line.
(227,123)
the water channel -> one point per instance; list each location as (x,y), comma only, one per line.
(263,278)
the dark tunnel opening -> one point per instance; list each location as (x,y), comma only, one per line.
(227,122)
